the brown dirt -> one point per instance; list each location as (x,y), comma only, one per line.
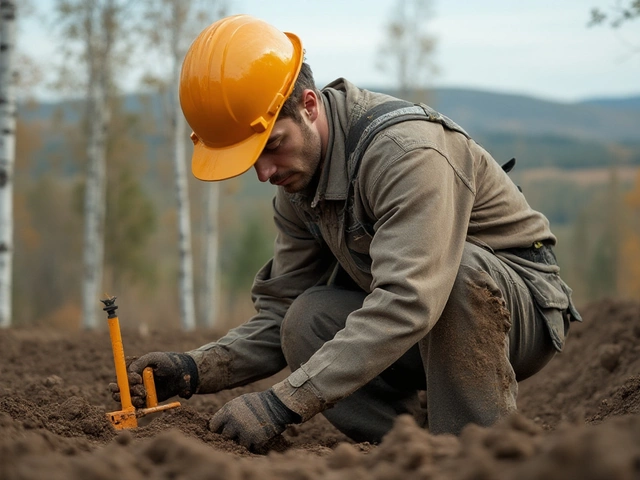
(579,418)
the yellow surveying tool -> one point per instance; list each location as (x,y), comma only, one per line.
(128,416)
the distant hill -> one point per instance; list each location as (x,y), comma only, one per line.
(540,133)
(486,112)
(479,112)
(626,103)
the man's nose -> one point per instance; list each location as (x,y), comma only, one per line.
(264,168)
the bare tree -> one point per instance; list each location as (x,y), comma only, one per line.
(173,25)
(7,152)
(407,48)
(29,71)
(210,288)
(179,12)
(93,27)
(618,14)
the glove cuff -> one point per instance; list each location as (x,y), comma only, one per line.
(214,368)
(189,371)
(284,415)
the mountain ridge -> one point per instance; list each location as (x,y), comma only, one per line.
(541,133)
(480,112)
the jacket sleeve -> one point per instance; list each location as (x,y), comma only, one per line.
(252,350)
(421,203)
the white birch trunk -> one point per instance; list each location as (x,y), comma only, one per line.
(7,153)
(186,292)
(99,45)
(210,292)
(94,207)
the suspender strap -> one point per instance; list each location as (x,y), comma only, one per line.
(386,114)
(382,116)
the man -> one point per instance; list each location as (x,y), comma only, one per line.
(406,260)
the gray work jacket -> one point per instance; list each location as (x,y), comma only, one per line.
(422,190)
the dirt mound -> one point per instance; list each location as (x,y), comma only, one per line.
(598,373)
(578,419)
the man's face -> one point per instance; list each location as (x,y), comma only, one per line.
(292,155)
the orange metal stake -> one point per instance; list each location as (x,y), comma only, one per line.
(125,418)
(128,416)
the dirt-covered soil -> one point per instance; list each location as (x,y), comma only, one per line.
(579,419)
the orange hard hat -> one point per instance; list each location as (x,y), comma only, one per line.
(235,78)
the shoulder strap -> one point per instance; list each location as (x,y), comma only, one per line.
(373,120)
(382,116)
(386,114)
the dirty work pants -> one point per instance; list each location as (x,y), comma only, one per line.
(488,337)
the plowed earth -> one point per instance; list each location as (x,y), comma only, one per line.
(579,418)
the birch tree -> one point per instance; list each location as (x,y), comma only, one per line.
(618,14)
(210,287)
(93,26)
(407,48)
(187,310)
(174,24)
(7,153)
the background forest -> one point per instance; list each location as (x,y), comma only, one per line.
(578,163)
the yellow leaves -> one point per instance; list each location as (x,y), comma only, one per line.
(28,141)
(632,199)
(66,317)
(629,264)
(629,279)
(26,235)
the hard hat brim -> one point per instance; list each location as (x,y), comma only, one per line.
(213,164)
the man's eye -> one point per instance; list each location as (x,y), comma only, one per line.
(273,145)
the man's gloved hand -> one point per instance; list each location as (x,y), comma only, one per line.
(173,374)
(253,419)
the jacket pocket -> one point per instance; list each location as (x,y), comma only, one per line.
(549,295)
(552,302)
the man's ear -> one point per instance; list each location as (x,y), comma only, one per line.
(311,104)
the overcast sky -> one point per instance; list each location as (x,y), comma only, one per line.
(541,48)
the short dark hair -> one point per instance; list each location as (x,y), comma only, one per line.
(291,107)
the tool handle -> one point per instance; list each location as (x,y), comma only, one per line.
(150,387)
(141,412)
(120,364)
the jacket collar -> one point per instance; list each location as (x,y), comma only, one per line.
(343,103)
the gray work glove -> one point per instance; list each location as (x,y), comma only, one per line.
(173,374)
(253,419)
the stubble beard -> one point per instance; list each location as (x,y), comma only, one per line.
(311,156)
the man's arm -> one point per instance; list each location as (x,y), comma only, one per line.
(421,205)
(252,350)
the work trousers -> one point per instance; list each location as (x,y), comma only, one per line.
(489,336)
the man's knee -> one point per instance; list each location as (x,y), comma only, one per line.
(296,331)
(476,301)
(476,289)
(313,319)
(490,286)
